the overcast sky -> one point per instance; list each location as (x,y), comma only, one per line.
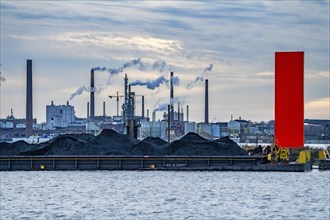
(232,43)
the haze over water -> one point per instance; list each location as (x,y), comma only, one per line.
(164,195)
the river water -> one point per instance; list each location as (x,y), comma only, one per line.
(164,195)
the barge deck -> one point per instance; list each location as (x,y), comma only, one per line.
(176,163)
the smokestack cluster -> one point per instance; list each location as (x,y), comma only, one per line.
(29,115)
(206,118)
(92,101)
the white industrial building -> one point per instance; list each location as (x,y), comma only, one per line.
(153,129)
(189,127)
(59,116)
(234,128)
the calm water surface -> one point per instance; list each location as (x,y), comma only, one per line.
(164,195)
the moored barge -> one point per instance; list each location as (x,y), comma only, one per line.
(176,163)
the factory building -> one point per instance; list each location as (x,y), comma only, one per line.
(189,127)
(234,128)
(203,129)
(223,129)
(59,116)
(153,129)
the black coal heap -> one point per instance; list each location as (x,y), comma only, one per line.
(109,142)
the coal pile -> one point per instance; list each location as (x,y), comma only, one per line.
(144,148)
(192,144)
(226,144)
(110,142)
(149,146)
(15,148)
(83,137)
(155,140)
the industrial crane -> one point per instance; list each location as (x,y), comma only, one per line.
(117,96)
(117,99)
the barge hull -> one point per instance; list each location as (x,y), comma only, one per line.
(324,164)
(176,163)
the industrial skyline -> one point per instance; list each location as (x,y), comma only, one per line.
(232,44)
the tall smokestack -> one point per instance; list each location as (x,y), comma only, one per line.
(153,116)
(187,112)
(181,116)
(147,113)
(126,96)
(168,125)
(129,108)
(92,95)
(171,97)
(143,106)
(103,109)
(178,111)
(29,115)
(206,118)
(87,110)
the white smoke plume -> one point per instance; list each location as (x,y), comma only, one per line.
(163,106)
(150,84)
(176,81)
(116,71)
(79,91)
(2,80)
(82,89)
(157,65)
(208,69)
(153,84)
(201,77)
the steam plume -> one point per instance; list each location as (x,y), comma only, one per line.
(116,71)
(157,65)
(82,89)
(160,65)
(209,68)
(163,106)
(79,91)
(176,81)
(150,84)
(155,83)
(201,77)
(2,80)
